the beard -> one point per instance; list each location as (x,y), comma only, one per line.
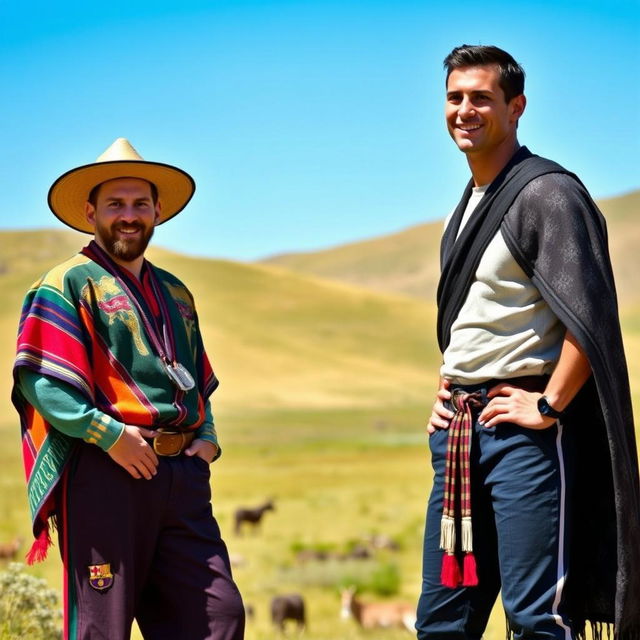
(122,247)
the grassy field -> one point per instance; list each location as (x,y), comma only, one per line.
(324,395)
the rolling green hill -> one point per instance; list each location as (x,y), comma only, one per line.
(408,261)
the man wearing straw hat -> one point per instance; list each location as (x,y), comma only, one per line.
(112,384)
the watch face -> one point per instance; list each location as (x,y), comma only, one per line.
(546,409)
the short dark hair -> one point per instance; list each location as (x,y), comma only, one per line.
(511,73)
(92,198)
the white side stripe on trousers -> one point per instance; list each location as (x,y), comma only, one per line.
(562,569)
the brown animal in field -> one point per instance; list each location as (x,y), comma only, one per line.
(308,555)
(378,614)
(288,607)
(358,552)
(251,515)
(9,550)
(380,541)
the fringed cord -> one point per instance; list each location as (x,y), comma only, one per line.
(457,468)
(448,534)
(467,535)
(40,547)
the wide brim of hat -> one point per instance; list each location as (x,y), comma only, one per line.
(69,193)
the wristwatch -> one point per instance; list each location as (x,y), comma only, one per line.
(547,410)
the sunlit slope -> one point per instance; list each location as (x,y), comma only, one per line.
(405,262)
(623,221)
(408,261)
(275,338)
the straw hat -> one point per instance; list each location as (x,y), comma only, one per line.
(70,191)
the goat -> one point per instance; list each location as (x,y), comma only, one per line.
(288,607)
(9,550)
(378,614)
(251,515)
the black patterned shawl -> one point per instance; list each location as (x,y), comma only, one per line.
(558,236)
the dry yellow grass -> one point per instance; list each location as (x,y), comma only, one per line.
(324,395)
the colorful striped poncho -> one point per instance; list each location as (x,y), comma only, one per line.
(80,327)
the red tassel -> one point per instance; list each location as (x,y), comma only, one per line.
(40,547)
(450,576)
(470,578)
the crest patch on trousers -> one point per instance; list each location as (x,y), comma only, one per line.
(100,576)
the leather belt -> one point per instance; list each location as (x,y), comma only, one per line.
(172,443)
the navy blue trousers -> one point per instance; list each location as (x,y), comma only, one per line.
(169,566)
(521,484)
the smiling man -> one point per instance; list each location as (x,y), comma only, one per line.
(112,384)
(535,489)
(124,213)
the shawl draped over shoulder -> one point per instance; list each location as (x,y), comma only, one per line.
(558,236)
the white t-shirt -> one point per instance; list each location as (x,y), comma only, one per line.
(504,329)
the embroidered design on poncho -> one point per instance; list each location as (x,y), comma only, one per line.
(72,329)
(184,303)
(117,306)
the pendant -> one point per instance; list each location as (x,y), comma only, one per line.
(179,376)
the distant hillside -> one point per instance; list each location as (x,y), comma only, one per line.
(623,221)
(408,262)
(276,338)
(405,262)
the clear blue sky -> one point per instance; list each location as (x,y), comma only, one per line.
(305,124)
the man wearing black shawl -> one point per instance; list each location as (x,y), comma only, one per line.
(536,488)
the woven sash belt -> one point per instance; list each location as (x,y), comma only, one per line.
(458,472)
(457,479)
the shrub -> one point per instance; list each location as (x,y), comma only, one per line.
(378,578)
(27,606)
(385,580)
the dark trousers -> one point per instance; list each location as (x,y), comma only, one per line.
(521,483)
(170,568)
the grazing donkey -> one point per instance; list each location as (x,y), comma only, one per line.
(288,607)
(378,614)
(251,515)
